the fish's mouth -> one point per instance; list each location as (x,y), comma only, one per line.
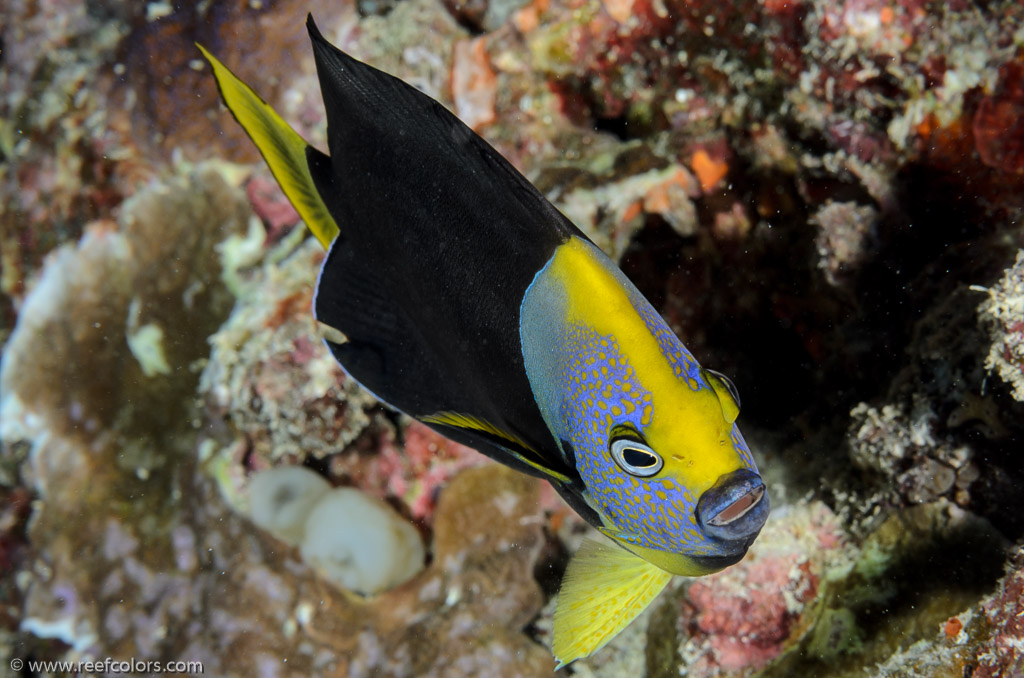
(738,508)
(734,509)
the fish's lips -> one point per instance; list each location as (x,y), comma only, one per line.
(734,509)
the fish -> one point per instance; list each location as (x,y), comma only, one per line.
(455,292)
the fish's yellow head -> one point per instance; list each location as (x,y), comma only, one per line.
(695,501)
(651,434)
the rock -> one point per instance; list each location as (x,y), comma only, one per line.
(281,499)
(1003,315)
(360,543)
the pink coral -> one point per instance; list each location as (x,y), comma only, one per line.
(747,628)
(741,619)
(415,474)
(270,205)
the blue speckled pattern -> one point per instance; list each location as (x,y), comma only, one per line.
(657,511)
(741,446)
(599,356)
(682,361)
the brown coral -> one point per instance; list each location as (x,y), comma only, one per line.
(999,121)
(133,539)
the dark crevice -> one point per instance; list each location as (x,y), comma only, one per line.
(470,14)
(320,466)
(618,127)
(652,251)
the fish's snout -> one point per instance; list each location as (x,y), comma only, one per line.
(734,509)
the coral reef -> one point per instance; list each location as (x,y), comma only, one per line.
(273,394)
(980,641)
(269,374)
(904,449)
(919,568)
(845,238)
(59,164)
(742,620)
(1003,313)
(822,198)
(814,601)
(99,303)
(1000,653)
(134,551)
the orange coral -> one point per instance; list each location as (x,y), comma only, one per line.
(528,18)
(709,170)
(657,199)
(634,210)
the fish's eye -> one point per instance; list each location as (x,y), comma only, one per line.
(636,458)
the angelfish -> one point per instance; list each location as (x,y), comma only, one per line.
(456,293)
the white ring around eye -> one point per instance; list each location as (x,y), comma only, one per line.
(635,458)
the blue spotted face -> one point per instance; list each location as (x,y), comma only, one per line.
(652,433)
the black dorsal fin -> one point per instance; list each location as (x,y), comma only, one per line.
(440,237)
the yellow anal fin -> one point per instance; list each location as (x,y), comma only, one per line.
(515,447)
(604,589)
(281,146)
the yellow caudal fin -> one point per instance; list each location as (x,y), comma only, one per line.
(604,589)
(281,146)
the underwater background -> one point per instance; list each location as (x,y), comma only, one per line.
(823,198)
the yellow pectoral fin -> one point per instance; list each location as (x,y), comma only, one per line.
(604,589)
(281,146)
(728,397)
